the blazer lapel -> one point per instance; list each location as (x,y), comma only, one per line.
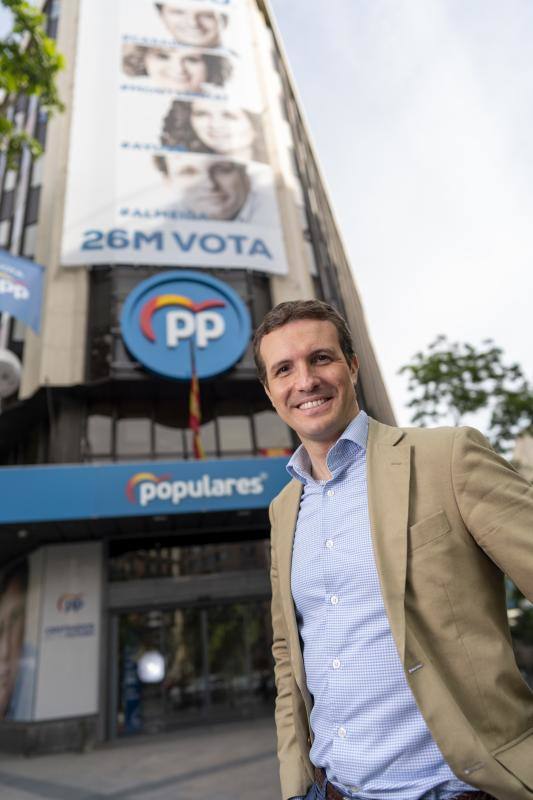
(288,512)
(388,473)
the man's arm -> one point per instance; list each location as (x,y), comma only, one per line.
(496,504)
(294,779)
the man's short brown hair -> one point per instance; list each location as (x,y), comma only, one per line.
(292,311)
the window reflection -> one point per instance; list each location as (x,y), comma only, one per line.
(133,437)
(99,434)
(168,441)
(235,434)
(172,562)
(271,431)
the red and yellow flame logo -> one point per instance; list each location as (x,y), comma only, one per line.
(151,306)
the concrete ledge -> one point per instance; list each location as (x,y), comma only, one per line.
(51,736)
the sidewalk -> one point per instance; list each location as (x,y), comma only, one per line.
(231,761)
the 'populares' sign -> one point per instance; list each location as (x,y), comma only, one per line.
(167,318)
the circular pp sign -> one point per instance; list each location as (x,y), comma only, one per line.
(176,318)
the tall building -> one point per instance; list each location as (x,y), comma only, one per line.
(178,199)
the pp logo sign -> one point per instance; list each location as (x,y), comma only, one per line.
(173,315)
(196,320)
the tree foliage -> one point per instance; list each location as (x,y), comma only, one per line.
(454,379)
(29,65)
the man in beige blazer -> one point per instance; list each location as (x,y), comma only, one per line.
(449,518)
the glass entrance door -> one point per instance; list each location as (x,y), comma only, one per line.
(186,664)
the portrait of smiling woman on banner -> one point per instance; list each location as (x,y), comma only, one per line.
(207,126)
(184,70)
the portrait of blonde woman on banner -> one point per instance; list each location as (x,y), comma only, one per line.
(209,126)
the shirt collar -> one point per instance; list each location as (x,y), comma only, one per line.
(356,433)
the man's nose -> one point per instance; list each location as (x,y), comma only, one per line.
(306,378)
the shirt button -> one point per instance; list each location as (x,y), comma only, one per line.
(330,492)
(329,544)
(336,663)
(334,599)
(342,732)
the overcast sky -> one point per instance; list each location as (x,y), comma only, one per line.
(422,115)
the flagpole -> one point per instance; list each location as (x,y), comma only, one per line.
(195,417)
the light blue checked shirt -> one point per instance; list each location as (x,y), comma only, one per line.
(369,735)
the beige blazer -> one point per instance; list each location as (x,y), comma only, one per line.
(449,517)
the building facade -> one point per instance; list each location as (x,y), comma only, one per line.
(137,572)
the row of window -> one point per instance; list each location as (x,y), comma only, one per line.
(174,562)
(109,438)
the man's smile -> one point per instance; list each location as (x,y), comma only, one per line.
(316,403)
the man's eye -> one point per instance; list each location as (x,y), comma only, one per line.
(282,369)
(322,357)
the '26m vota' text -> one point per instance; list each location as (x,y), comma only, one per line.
(210,243)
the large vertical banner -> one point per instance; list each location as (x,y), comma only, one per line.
(68,657)
(168,163)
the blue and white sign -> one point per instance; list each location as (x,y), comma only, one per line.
(171,318)
(142,489)
(21,289)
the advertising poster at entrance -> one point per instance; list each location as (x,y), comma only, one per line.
(19,605)
(67,682)
(168,162)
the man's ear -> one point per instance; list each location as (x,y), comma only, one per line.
(354,369)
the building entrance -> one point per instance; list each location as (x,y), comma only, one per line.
(187,664)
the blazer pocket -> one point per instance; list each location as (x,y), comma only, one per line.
(517,758)
(428,529)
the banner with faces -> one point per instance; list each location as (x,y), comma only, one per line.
(168,163)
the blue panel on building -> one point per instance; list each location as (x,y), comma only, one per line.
(38,494)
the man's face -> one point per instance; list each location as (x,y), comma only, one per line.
(12,612)
(199,27)
(211,190)
(308,380)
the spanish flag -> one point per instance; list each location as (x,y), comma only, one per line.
(195,414)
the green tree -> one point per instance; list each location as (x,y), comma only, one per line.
(454,379)
(29,65)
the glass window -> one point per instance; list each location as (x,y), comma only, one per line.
(4,232)
(18,331)
(7,205)
(133,437)
(37,172)
(30,240)
(235,434)
(11,180)
(99,429)
(168,441)
(271,431)
(32,205)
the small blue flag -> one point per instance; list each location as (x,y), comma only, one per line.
(21,288)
